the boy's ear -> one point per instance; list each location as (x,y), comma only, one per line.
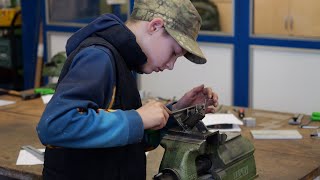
(155,25)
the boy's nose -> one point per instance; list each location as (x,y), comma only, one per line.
(171,63)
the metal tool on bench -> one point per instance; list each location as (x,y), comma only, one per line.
(25,95)
(296,119)
(192,152)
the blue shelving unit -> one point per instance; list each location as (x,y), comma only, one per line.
(31,18)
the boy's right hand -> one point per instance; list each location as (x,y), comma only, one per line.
(154,115)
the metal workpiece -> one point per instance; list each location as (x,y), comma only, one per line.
(188,117)
(296,119)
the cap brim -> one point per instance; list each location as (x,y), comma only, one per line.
(194,53)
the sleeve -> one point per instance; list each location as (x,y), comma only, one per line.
(73,119)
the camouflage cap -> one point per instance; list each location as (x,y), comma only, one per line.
(181,21)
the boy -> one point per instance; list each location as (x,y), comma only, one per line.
(85,139)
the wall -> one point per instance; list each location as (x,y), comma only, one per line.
(285,79)
(56,42)
(282,79)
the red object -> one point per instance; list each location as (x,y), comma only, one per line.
(241,113)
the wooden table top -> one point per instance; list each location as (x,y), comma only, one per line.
(17,128)
(275,159)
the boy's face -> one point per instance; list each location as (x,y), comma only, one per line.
(160,48)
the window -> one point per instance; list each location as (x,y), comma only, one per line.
(81,12)
(291,18)
(217,15)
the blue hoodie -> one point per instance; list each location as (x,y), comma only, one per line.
(88,83)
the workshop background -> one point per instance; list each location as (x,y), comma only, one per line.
(263,54)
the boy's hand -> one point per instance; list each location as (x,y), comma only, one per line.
(154,115)
(198,95)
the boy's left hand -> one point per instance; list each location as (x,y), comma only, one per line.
(198,95)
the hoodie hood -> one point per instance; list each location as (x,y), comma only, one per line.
(113,30)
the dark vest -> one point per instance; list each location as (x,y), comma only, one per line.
(120,163)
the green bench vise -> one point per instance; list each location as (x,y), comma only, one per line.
(192,152)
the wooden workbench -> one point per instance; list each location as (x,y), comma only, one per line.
(275,159)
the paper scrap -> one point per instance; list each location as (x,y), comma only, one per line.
(6,102)
(46,98)
(214,119)
(26,158)
(276,134)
